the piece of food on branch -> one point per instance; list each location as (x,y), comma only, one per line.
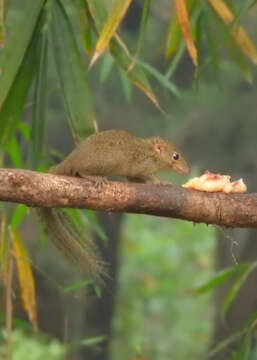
(211,182)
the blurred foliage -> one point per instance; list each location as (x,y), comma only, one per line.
(31,347)
(162,261)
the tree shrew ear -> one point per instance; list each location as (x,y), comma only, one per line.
(158,147)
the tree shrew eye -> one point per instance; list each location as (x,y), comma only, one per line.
(175,156)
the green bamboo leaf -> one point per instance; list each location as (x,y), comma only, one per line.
(126,86)
(24,130)
(98,13)
(13,105)
(220,278)
(19,38)
(236,287)
(13,150)
(143,24)
(85,26)
(95,225)
(77,286)
(161,78)
(71,72)
(40,98)
(137,74)
(18,215)
(85,342)
(106,67)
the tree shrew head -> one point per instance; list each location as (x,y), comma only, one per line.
(171,156)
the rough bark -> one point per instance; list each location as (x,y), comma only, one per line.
(47,190)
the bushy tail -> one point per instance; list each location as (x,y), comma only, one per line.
(75,245)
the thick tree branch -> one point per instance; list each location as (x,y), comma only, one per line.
(46,190)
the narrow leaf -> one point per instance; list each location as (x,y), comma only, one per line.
(174,31)
(18,215)
(136,75)
(85,342)
(13,105)
(224,343)
(240,35)
(142,30)
(183,19)
(71,72)
(121,54)
(85,26)
(233,292)
(14,152)
(77,286)
(106,67)
(114,19)
(220,278)
(40,101)
(26,279)
(164,81)
(126,85)
(18,41)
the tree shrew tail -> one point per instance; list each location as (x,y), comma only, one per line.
(75,245)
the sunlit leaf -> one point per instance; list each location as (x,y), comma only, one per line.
(236,287)
(183,19)
(240,35)
(26,278)
(13,150)
(121,54)
(114,19)
(196,12)
(71,72)
(174,31)
(18,215)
